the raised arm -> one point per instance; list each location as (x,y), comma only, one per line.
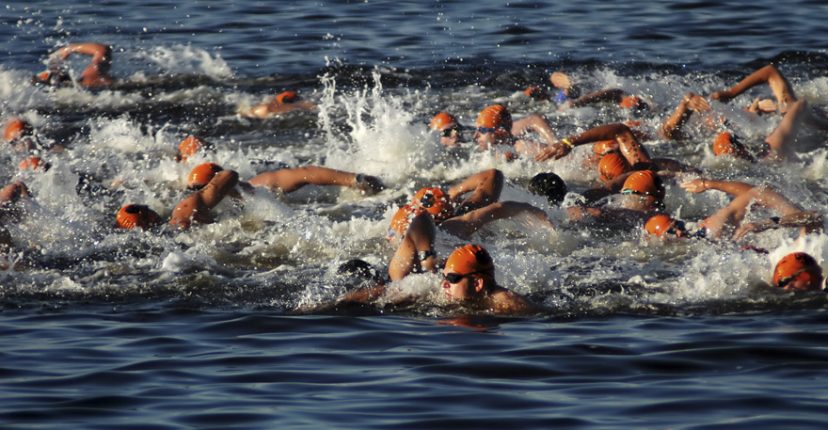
(735,211)
(416,250)
(672,127)
(780,87)
(629,145)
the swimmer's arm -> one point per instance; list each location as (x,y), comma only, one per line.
(485,188)
(701,185)
(97,51)
(469,223)
(13,191)
(809,220)
(219,187)
(415,249)
(535,123)
(290,180)
(606,95)
(671,129)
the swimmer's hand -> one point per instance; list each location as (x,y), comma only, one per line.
(751,227)
(695,186)
(721,96)
(697,103)
(555,151)
(368,184)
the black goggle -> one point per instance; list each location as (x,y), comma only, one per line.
(450,132)
(484,130)
(453,278)
(783,283)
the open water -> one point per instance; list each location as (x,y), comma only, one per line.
(228,325)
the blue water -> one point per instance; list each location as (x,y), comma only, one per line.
(221,327)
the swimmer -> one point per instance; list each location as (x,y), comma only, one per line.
(609,138)
(451,132)
(782,91)
(136,216)
(641,196)
(568,94)
(282,103)
(798,271)
(469,278)
(190,146)
(95,75)
(494,126)
(549,185)
(473,212)
(536,93)
(789,214)
(34,163)
(196,207)
(779,143)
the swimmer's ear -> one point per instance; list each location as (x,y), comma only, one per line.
(478,284)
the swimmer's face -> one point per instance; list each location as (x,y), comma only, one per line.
(450,135)
(461,289)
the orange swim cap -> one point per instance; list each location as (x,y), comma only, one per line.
(659,224)
(442,120)
(16,128)
(132,215)
(286,97)
(612,165)
(33,163)
(644,182)
(402,218)
(202,174)
(189,147)
(434,201)
(631,102)
(604,147)
(470,259)
(495,116)
(797,271)
(727,144)
(535,92)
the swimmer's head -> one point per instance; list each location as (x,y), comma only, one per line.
(434,201)
(726,143)
(632,103)
(797,271)
(469,271)
(189,147)
(661,224)
(536,93)
(611,166)
(550,186)
(493,126)
(604,147)
(286,97)
(359,272)
(15,129)
(132,215)
(644,183)
(201,175)
(34,163)
(450,130)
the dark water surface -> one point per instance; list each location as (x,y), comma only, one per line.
(154,330)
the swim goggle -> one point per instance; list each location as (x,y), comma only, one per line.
(484,130)
(453,278)
(783,283)
(451,132)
